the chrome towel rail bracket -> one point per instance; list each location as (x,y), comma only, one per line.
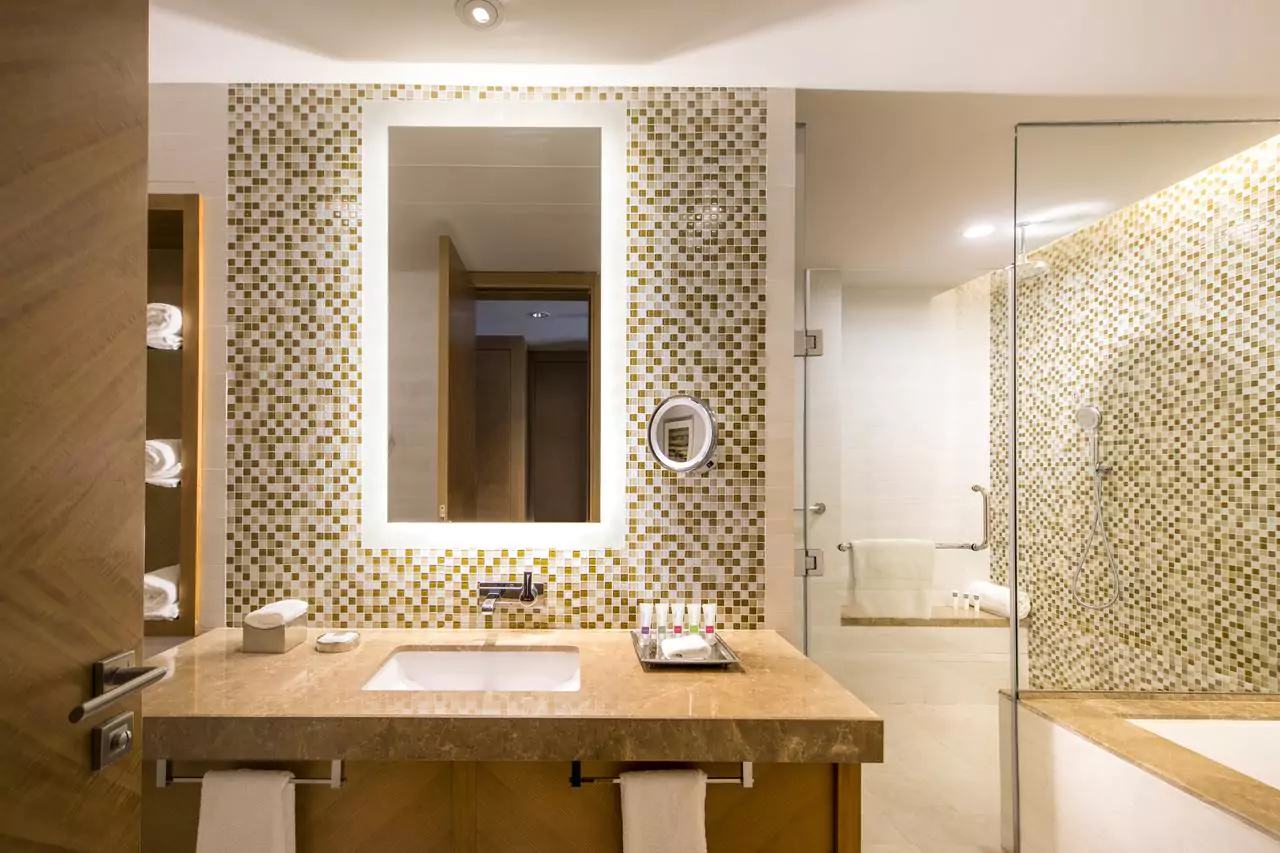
(846,547)
(165,777)
(746,779)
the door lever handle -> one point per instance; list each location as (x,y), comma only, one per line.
(113,682)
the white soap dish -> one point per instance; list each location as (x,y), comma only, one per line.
(332,642)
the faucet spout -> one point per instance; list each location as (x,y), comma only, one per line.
(490,603)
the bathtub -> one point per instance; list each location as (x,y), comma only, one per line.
(1251,747)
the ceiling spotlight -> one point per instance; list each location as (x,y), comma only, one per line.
(539,315)
(976,232)
(480,14)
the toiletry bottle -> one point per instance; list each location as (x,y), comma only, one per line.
(955,600)
(660,611)
(977,601)
(646,623)
(709,621)
(694,617)
(677,618)
(966,601)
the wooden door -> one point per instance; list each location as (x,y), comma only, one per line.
(501,427)
(456,474)
(73,233)
(559,436)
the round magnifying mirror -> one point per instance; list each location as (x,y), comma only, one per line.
(682,434)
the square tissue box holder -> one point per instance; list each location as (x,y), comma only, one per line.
(277,640)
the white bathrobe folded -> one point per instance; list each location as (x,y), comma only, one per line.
(994,598)
(164,461)
(164,326)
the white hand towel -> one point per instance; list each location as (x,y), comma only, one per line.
(164,326)
(277,613)
(246,811)
(164,461)
(664,811)
(994,598)
(892,577)
(160,587)
(163,613)
(686,646)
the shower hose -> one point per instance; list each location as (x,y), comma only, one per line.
(1098,532)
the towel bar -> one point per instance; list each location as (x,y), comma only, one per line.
(746,779)
(164,777)
(846,547)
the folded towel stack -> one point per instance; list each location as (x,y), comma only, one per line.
(277,613)
(160,594)
(892,577)
(164,326)
(664,811)
(686,647)
(994,598)
(247,811)
(164,462)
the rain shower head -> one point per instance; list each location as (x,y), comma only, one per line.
(1088,417)
(1025,270)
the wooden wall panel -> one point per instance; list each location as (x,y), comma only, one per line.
(73,162)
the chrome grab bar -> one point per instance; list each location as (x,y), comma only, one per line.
(126,680)
(845,547)
(986,527)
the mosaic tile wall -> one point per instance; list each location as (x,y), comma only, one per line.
(695,325)
(1166,315)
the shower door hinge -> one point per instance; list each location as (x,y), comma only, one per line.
(809,563)
(808,343)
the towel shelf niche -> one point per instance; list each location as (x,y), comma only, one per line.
(174,401)
(576,780)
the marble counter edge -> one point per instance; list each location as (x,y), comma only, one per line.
(369,738)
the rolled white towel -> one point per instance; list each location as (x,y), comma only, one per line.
(687,647)
(164,461)
(164,326)
(166,613)
(160,587)
(277,613)
(994,598)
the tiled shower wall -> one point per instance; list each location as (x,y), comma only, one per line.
(1165,315)
(695,324)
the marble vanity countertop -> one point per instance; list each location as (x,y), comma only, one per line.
(218,703)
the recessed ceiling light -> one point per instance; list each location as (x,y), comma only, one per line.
(976,232)
(539,315)
(480,14)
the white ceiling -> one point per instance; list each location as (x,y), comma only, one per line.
(569,323)
(511,198)
(1183,47)
(893,179)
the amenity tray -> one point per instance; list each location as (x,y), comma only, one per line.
(722,657)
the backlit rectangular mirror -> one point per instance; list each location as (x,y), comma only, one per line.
(494,275)
(495,352)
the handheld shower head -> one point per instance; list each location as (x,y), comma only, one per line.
(1088,417)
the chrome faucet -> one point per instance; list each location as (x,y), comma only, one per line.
(526,592)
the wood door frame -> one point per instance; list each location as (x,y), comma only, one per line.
(519,411)
(191,206)
(566,286)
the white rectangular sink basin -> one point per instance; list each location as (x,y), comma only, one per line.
(540,669)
